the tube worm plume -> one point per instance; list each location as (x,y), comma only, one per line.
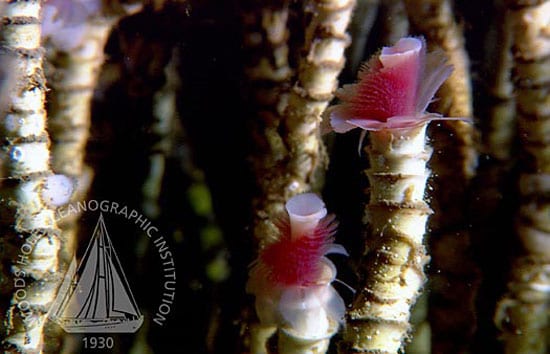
(394,89)
(292,278)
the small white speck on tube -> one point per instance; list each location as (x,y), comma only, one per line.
(57,190)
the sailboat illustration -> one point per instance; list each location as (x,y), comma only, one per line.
(96,297)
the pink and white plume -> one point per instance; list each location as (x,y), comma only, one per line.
(394,89)
(291,278)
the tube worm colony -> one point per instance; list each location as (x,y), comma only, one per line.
(293,54)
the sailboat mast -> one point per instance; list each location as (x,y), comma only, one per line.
(107,276)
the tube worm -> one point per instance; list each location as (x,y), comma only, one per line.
(453,284)
(266,36)
(291,161)
(318,70)
(390,100)
(499,131)
(75,32)
(268,70)
(29,192)
(292,278)
(493,194)
(522,315)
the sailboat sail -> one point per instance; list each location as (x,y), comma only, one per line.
(99,298)
(122,300)
(56,308)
